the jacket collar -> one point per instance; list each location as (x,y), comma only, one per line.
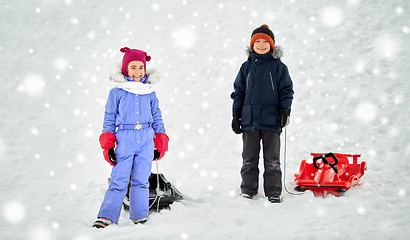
(260,57)
(277,53)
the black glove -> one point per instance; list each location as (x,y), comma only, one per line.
(284,117)
(156,154)
(236,122)
(111,155)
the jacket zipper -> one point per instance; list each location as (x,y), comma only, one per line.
(271,81)
(247,87)
(247,81)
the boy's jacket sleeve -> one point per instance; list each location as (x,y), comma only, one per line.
(239,90)
(285,88)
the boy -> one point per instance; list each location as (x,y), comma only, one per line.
(262,99)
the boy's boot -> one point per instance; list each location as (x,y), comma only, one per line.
(275,199)
(245,195)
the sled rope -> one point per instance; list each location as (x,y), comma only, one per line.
(157,196)
(284,171)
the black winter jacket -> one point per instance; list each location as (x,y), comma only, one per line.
(262,87)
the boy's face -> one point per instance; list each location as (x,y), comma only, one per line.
(136,70)
(261,46)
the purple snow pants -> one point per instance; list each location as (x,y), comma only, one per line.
(134,153)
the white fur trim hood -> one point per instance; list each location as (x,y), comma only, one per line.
(116,75)
(277,52)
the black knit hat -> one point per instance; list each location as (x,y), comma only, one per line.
(265,33)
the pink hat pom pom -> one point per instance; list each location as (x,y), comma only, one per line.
(124,49)
(148,58)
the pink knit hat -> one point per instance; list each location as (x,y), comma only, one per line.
(133,55)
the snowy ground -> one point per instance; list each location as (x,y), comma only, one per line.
(349,64)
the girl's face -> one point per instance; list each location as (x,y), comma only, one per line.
(261,46)
(136,70)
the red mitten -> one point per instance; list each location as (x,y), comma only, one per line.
(161,143)
(107,141)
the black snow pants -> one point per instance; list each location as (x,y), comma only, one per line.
(272,177)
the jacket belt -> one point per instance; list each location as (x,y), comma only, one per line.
(134,126)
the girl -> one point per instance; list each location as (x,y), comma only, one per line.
(133,121)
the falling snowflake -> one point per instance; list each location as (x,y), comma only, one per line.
(33,85)
(14,211)
(205,105)
(361,210)
(39,232)
(386,46)
(155,7)
(73,186)
(360,66)
(77,112)
(34,131)
(332,16)
(195,165)
(366,112)
(184,37)
(83,237)
(2,148)
(184,236)
(80,158)
(189,147)
(269,16)
(254,14)
(353,2)
(75,21)
(60,64)
(320,212)
(399,10)
(91,35)
(402,192)
(55,225)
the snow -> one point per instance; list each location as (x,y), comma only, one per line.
(349,64)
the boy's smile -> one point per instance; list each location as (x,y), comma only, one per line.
(136,70)
(261,46)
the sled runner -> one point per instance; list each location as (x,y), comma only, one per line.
(330,173)
(166,195)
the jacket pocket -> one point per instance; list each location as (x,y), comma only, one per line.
(270,114)
(246,115)
(122,145)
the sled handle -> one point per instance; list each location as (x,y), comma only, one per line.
(323,157)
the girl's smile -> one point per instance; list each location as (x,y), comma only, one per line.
(136,70)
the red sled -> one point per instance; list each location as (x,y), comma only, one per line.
(330,173)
